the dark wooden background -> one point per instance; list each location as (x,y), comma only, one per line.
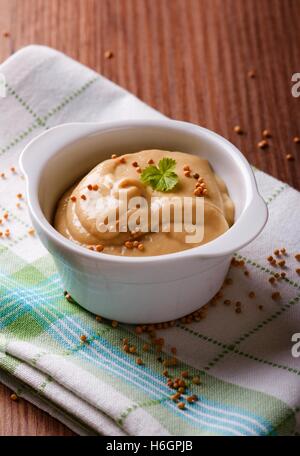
(187,58)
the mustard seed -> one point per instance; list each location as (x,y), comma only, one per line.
(132,349)
(266,134)
(251,74)
(95,187)
(227,302)
(128,245)
(114,156)
(108,54)
(31,231)
(73,198)
(140,246)
(251,294)
(297,256)
(90,187)
(281,263)
(263,144)
(126,348)
(98,318)
(99,248)
(184,374)
(272,280)
(276,295)
(114,323)
(237,129)
(196,380)
(14,397)
(150,162)
(135,164)
(296,140)
(298,271)
(83,197)
(139,361)
(290,157)
(83,338)
(181,405)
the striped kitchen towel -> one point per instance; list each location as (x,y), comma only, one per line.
(249,378)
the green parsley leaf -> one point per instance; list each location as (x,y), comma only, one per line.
(162,177)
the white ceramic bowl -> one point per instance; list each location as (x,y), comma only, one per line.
(130,289)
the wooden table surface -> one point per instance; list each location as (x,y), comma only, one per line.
(189,59)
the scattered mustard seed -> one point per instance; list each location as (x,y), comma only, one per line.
(95,187)
(14,397)
(151,161)
(181,405)
(108,54)
(296,140)
(263,144)
(83,197)
(128,245)
(290,157)
(139,361)
(99,248)
(298,271)
(237,129)
(251,294)
(83,338)
(196,380)
(281,263)
(297,256)
(266,134)
(73,198)
(114,323)
(114,156)
(98,318)
(31,231)
(276,295)
(132,349)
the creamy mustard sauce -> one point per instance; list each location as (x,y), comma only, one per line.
(98,193)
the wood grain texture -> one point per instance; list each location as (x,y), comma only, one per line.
(186,58)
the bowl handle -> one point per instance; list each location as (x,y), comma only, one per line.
(246,229)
